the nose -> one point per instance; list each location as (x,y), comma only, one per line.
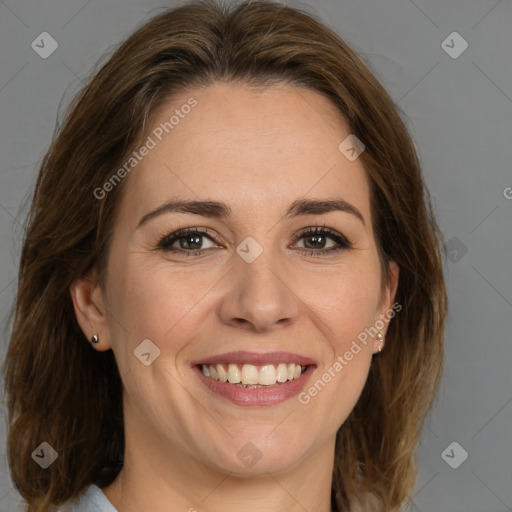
(259,296)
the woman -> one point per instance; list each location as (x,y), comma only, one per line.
(230,292)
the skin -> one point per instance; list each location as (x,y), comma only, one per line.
(257,151)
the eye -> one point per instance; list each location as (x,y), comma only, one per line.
(317,238)
(187,240)
(190,241)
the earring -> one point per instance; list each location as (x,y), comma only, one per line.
(380,337)
(95,339)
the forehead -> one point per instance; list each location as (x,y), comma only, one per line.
(247,147)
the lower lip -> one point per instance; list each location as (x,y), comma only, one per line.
(257,396)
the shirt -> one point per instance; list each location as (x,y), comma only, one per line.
(93,500)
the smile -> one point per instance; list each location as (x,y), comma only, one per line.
(251,376)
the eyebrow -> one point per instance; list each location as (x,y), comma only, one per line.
(217,209)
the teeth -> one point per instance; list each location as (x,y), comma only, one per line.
(267,375)
(249,374)
(233,374)
(282,373)
(253,376)
(222,373)
(291,371)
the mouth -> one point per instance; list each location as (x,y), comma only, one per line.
(252,377)
(248,378)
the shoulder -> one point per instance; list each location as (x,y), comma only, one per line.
(92,500)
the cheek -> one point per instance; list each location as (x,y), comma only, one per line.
(150,300)
(346,298)
(348,311)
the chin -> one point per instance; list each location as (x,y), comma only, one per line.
(249,460)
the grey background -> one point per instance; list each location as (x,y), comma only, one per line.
(459,111)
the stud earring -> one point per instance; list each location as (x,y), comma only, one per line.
(380,337)
(95,339)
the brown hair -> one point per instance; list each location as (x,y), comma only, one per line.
(61,391)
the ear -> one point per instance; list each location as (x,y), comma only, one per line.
(386,311)
(88,301)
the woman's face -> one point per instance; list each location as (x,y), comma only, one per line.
(246,285)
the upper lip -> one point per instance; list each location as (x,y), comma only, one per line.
(255,358)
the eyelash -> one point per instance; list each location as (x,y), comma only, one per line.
(167,241)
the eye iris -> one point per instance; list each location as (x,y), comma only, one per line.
(197,242)
(315,239)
